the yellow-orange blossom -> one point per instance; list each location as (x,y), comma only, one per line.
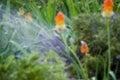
(84,49)
(60,21)
(108,8)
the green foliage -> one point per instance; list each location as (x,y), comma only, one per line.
(46,9)
(76,69)
(92,29)
(94,66)
(88,27)
(30,67)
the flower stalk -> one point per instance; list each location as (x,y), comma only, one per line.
(109,44)
(107,13)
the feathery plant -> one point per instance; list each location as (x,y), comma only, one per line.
(19,36)
(31,67)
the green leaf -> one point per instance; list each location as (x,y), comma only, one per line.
(113,75)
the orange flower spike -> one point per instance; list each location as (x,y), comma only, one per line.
(84,48)
(28,16)
(60,21)
(107,8)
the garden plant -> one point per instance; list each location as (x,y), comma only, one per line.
(59,39)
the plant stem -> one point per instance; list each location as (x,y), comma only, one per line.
(81,70)
(109,45)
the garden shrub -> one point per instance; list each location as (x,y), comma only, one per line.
(91,28)
(30,67)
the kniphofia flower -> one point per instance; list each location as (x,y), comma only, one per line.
(28,16)
(60,21)
(21,11)
(108,8)
(84,49)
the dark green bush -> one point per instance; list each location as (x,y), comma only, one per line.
(92,29)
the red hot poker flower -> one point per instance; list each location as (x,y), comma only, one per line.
(28,16)
(60,21)
(84,49)
(21,11)
(107,8)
